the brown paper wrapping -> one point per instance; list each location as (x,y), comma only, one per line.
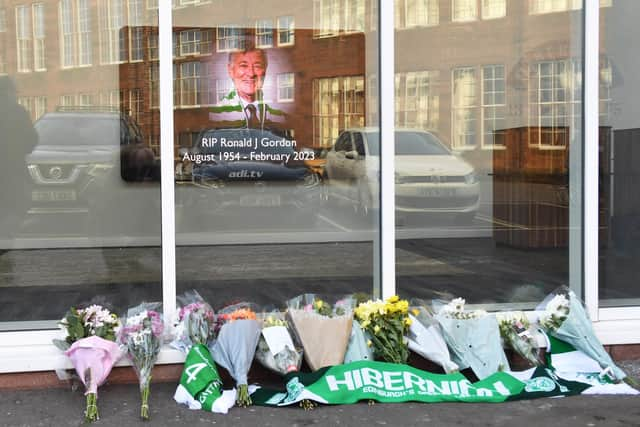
(323,338)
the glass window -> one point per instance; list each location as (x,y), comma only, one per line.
(417,100)
(24,39)
(493,9)
(465,108)
(488,155)
(334,17)
(464,10)
(153,47)
(419,13)
(189,83)
(112,40)
(190,42)
(619,174)
(281,214)
(230,37)
(286,87)
(38,37)
(286,33)
(264,33)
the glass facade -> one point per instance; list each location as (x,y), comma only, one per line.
(619,163)
(488,149)
(80,195)
(274,153)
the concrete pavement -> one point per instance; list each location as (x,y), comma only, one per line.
(119,406)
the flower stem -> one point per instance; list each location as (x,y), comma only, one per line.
(243,400)
(144,408)
(91,412)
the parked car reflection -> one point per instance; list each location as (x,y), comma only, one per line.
(83,165)
(429,177)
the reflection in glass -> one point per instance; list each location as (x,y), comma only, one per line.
(80,198)
(619,161)
(257,112)
(499,85)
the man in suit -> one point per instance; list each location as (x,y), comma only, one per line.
(244,106)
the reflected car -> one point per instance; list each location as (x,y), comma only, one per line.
(244,170)
(429,178)
(84,161)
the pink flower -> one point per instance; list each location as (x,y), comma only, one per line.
(93,358)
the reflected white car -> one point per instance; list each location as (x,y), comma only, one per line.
(429,178)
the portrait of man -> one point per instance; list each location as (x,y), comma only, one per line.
(245,106)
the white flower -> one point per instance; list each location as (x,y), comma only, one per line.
(558,305)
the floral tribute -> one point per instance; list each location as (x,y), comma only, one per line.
(277,351)
(89,342)
(323,328)
(517,333)
(141,337)
(235,345)
(387,322)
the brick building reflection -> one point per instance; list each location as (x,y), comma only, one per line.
(498,81)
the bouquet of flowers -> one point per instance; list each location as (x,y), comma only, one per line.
(276,349)
(386,322)
(565,318)
(141,336)
(235,345)
(473,338)
(90,335)
(359,347)
(517,333)
(200,385)
(425,337)
(322,328)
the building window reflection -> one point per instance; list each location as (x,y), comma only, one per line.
(493,105)
(334,17)
(338,104)
(286,35)
(112,40)
(286,84)
(24,39)
(264,33)
(230,38)
(417,101)
(464,108)
(556,101)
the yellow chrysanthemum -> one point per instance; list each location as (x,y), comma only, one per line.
(394,298)
(415,311)
(408,321)
(376,329)
(369,343)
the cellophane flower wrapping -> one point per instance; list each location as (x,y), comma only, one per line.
(235,345)
(359,347)
(322,328)
(89,342)
(200,385)
(141,336)
(387,323)
(426,338)
(473,338)
(195,322)
(563,315)
(277,349)
(519,335)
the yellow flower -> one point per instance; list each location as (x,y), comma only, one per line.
(369,343)
(376,329)
(415,311)
(365,323)
(394,298)
(319,304)
(408,321)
